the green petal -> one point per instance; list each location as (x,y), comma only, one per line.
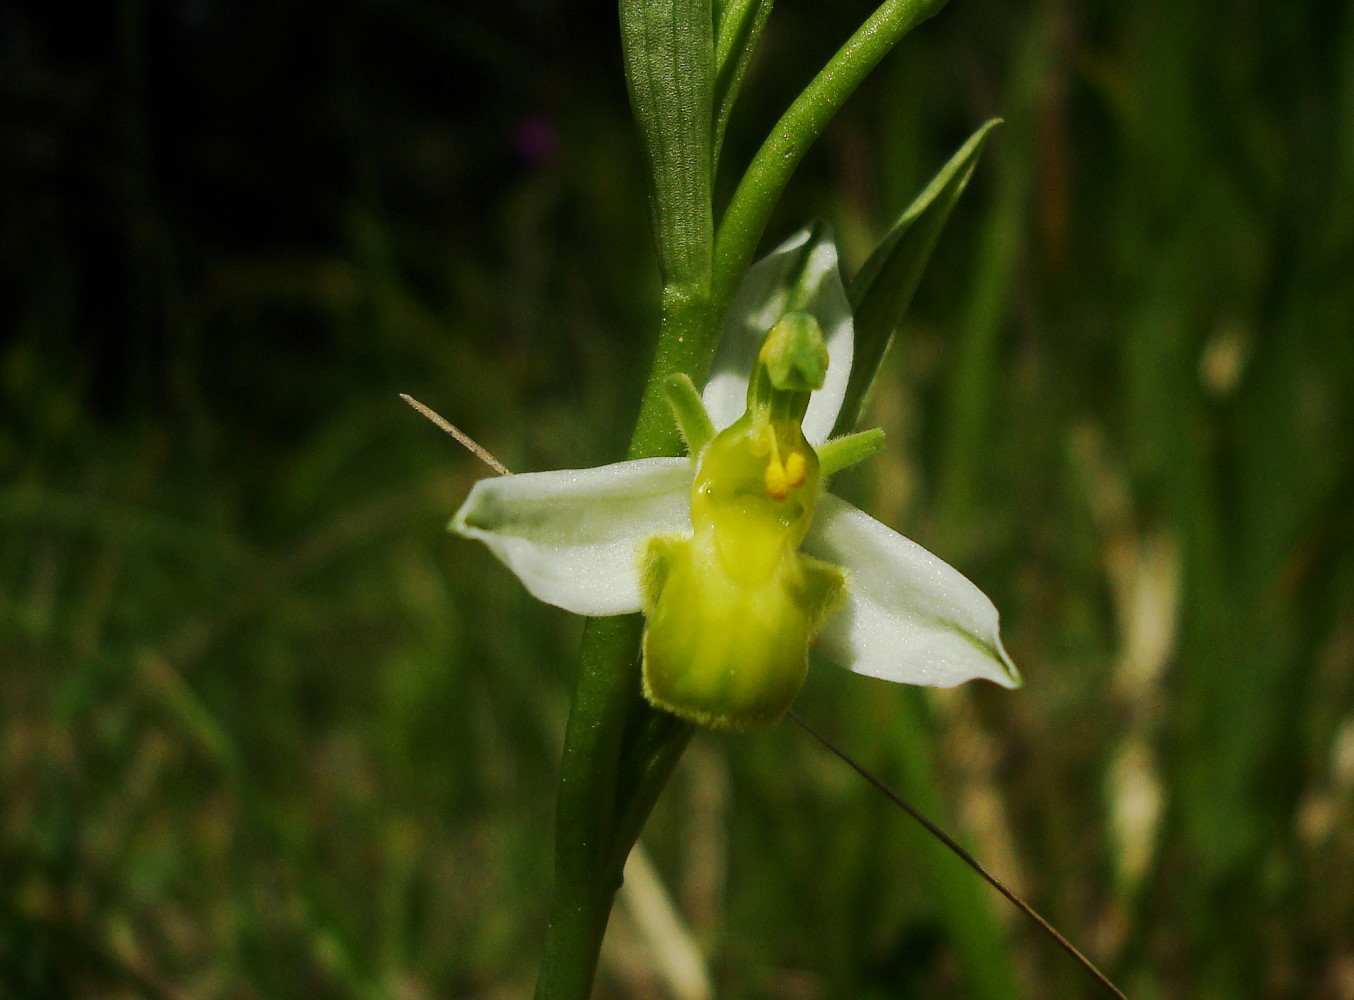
(689,412)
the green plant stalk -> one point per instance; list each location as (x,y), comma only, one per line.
(686,346)
(669,51)
(585,815)
(618,750)
(618,755)
(745,219)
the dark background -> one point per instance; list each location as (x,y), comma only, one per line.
(266,731)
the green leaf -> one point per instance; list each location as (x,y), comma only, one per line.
(882,291)
(745,219)
(669,67)
(739,30)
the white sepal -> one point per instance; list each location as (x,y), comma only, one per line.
(908,616)
(801,273)
(575,537)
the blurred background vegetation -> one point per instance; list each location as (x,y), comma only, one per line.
(266,731)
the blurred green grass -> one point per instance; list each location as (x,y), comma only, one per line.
(266,731)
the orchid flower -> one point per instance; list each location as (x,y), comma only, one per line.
(737,554)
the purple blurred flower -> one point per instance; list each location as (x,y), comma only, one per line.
(535,139)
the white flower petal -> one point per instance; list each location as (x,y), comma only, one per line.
(908,615)
(760,302)
(574,537)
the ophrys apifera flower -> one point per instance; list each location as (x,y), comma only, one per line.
(737,555)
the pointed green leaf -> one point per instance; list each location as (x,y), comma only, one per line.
(882,291)
(669,67)
(736,37)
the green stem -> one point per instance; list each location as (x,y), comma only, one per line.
(618,751)
(618,755)
(686,346)
(573,941)
(761,187)
(585,815)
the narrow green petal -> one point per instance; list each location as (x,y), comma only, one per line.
(882,291)
(689,412)
(844,452)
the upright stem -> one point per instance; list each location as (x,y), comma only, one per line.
(618,754)
(685,345)
(618,751)
(586,813)
(669,69)
(578,920)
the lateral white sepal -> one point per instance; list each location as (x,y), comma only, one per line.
(575,537)
(908,616)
